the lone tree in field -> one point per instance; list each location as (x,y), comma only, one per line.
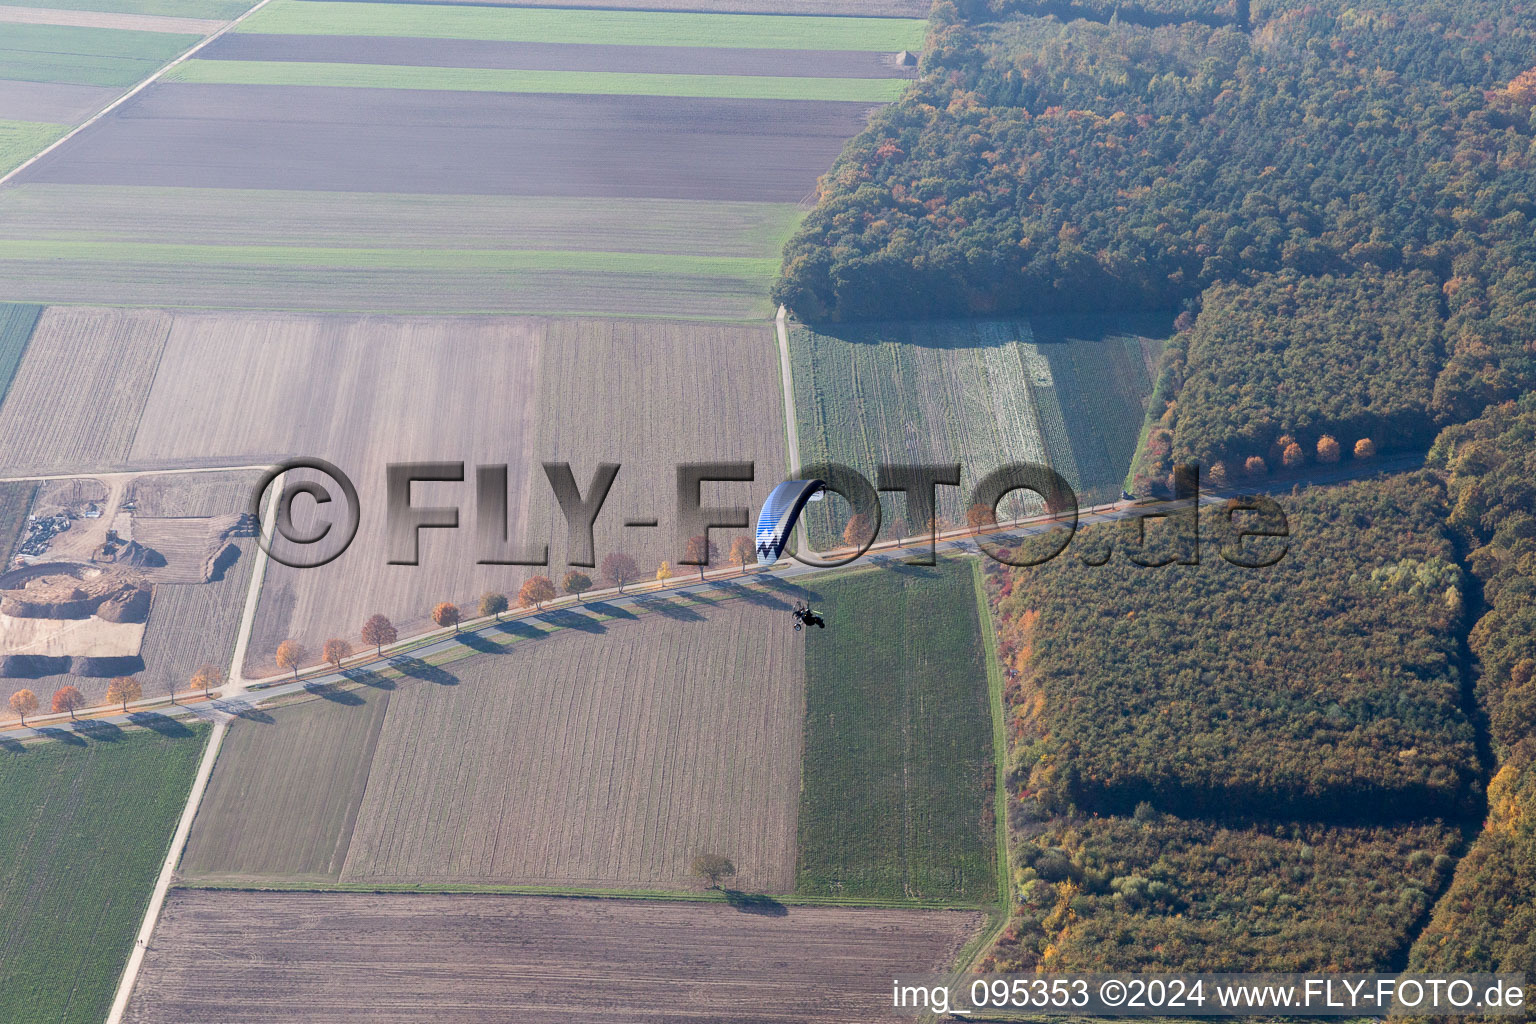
(493,604)
(618,569)
(741,551)
(446,614)
(664,571)
(335,651)
(575,583)
(379,631)
(860,527)
(712,867)
(124,689)
(290,655)
(206,678)
(67,698)
(535,591)
(979,516)
(23,702)
(700,552)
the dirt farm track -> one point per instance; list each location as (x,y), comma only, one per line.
(240,958)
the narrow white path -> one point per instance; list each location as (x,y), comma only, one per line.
(167,873)
(125,473)
(236,675)
(793,429)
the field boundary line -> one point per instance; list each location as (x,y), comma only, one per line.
(167,872)
(236,674)
(792,429)
(130,94)
(89,475)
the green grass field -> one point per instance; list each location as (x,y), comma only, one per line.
(84,827)
(22,140)
(86,56)
(16,324)
(15,502)
(546,25)
(899,770)
(391,76)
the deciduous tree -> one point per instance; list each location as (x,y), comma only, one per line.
(1293,455)
(700,551)
(742,551)
(860,529)
(1255,466)
(290,655)
(535,591)
(446,614)
(123,690)
(576,583)
(980,516)
(618,569)
(23,702)
(335,651)
(664,572)
(1365,448)
(493,604)
(379,631)
(67,698)
(712,867)
(1327,449)
(206,678)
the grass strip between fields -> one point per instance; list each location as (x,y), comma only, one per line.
(508,260)
(585,83)
(574,25)
(21,140)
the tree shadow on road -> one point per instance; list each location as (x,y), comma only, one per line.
(101,732)
(518,628)
(332,692)
(418,669)
(165,725)
(756,903)
(12,746)
(53,732)
(476,642)
(612,611)
(242,709)
(751,595)
(786,587)
(669,608)
(368,677)
(564,618)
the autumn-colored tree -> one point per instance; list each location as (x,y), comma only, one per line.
(1293,455)
(535,591)
(67,698)
(979,516)
(379,631)
(123,690)
(857,532)
(712,867)
(493,604)
(23,702)
(206,678)
(1218,473)
(664,572)
(700,551)
(290,655)
(742,551)
(1365,448)
(1255,466)
(576,583)
(446,614)
(618,569)
(335,651)
(1522,88)
(1327,449)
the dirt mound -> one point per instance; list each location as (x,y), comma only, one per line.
(111,597)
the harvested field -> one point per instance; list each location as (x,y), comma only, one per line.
(191,494)
(389,140)
(545,25)
(480,53)
(570,83)
(106,19)
(190,624)
(86,823)
(252,217)
(537,766)
(55,102)
(899,767)
(285,793)
(87,56)
(981,393)
(324,958)
(78,395)
(19,140)
(15,501)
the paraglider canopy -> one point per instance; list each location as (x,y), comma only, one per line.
(777,520)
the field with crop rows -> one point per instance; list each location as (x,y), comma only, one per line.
(86,56)
(713,113)
(84,826)
(15,503)
(535,766)
(20,139)
(219,9)
(981,393)
(16,325)
(326,958)
(899,767)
